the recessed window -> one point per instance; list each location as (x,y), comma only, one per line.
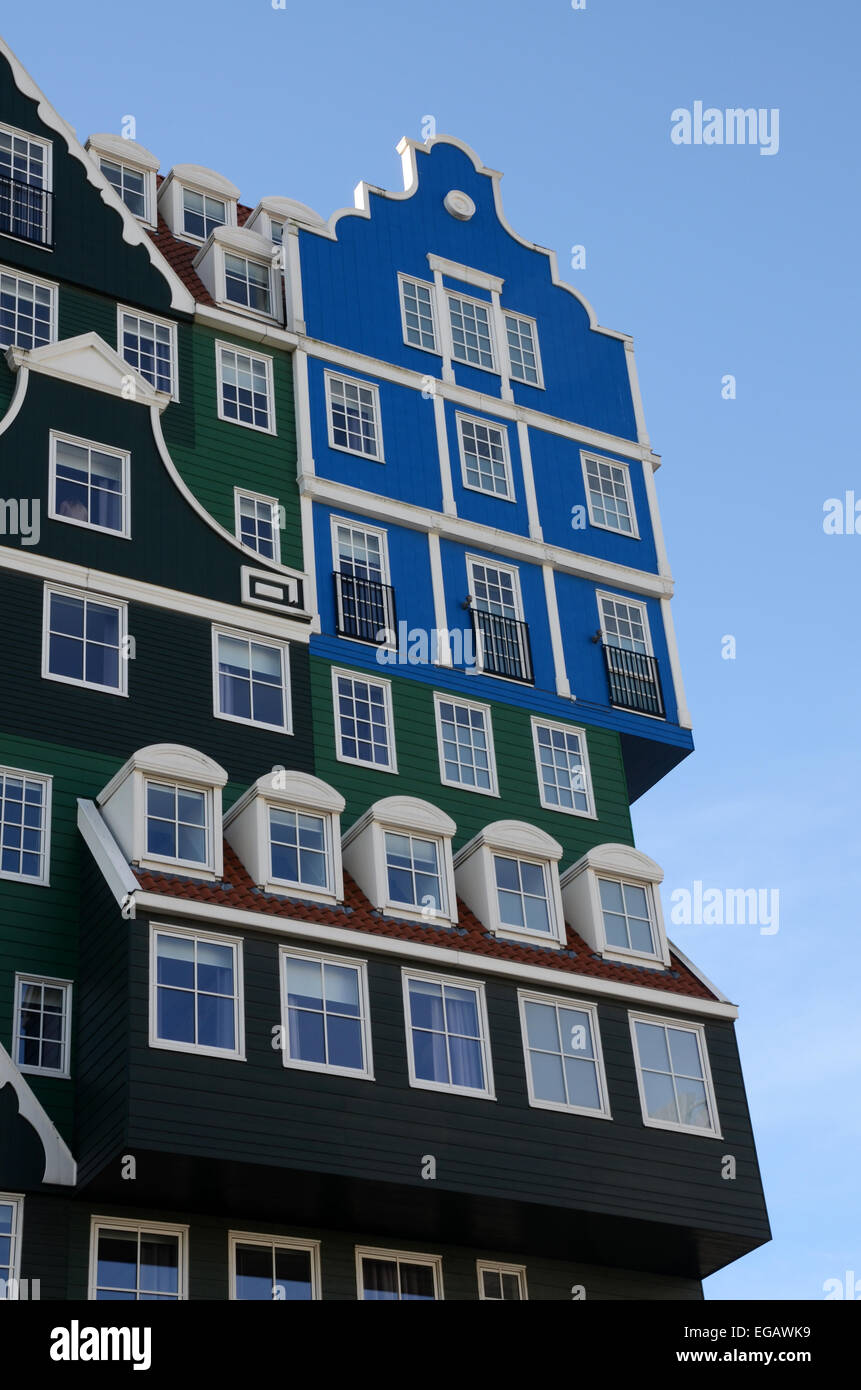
(28,311)
(177,825)
(25,183)
(608,492)
(201,214)
(149,345)
(627,916)
(501,1283)
(394,1276)
(245,389)
(354,417)
(413,869)
(364,731)
(252,683)
(42,1019)
(562,1044)
(364,598)
(137,1263)
(418,314)
(562,762)
(502,638)
(676,1089)
(195,1003)
(89,485)
(299,846)
(263,1268)
(523,360)
(484,457)
(25,819)
(471,333)
(85,641)
(130,184)
(625,624)
(523,896)
(247,282)
(447,1035)
(611,898)
(258,523)
(326,1022)
(465,738)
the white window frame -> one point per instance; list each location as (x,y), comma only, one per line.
(378,531)
(682,1025)
(462,418)
(216,197)
(589,456)
(631,952)
(561,1001)
(441,698)
(581,895)
(309,1247)
(433,977)
(372,386)
(44,879)
(297,887)
(241,494)
(494,1267)
(404,279)
(601,594)
(523,933)
(65,986)
(48,188)
(236,944)
(86,595)
(519,380)
(409,1257)
(141,1228)
(283,649)
(163,862)
(491,308)
(36,281)
(60,437)
(554,726)
(148,217)
(16,1201)
(365,855)
(365,1073)
(513,570)
(220,346)
(475,874)
(157,323)
(340,672)
(222,252)
(394,907)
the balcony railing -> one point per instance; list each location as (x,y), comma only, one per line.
(365,608)
(634,681)
(25,211)
(502,646)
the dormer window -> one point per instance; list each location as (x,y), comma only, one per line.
(400,855)
(413,871)
(238,268)
(247,283)
(178,823)
(129,183)
(195,201)
(522,894)
(300,851)
(130,169)
(627,916)
(286,831)
(508,875)
(201,214)
(611,898)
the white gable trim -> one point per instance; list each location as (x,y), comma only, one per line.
(87,360)
(60,1166)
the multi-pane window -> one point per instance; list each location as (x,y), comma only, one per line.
(384,1275)
(89,485)
(177,823)
(471,334)
(25,805)
(247,282)
(252,681)
(495,590)
(563,1055)
(501,636)
(10,1242)
(85,641)
(447,1035)
(197,996)
(563,768)
(465,745)
(201,214)
(413,869)
(501,1283)
(276,1268)
(484,457)
(361,554)
(26,311)
(25,177)
(257,524)
(23,159)
(417,308)
(276,232)
(608,490)
(149,347)
(523,896)
(326,1016)
(354,417)
(245,388)
(675,1084)
(132,1263)
(624,624)
(363,721)
(365,602)
(129,183)
(522,350)
(42,1024)
(627,916)
(299,848)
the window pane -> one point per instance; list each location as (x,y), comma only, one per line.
(652,1045)
(380,1279)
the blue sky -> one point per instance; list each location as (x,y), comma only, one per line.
(719,260)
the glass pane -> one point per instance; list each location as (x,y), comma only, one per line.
(380,1279)
(426,1004)
(685,1052)
(652,1045)
(215,1021)
(430,1057)
(510,1286)
(293,1274)
(253,1272)
(306,1036)
(576,1032)
(582,1081)
(345,1042)
(117,1260)
(342,989)
(159,1264)
(305,983)
(692,1102)
(175,961)
(541,1029)
(175,1015)
(547,1078)
(214,967)
(611,895)
(660,1098)
(417,1282)
(467,1067)
(461,1009)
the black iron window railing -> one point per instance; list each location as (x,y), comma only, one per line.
(25,211)
(365,609)
(634,680)
(502,645)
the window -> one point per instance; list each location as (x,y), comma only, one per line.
(264,1268)
(246,282)
(285,830)
(625,624)
(562,762)
(42,1019)
(399,853)
(393,1275)
(364,731)
(627,916)
(149,345)
(25,183)
(418,315)
(611,897)
(245,389)
(495,590)
(258,523)
(484,457)
(413,868)
(276,232)
(28,311)
(523,359)
(299,848)
(25,821)
(508,876)
(354,417)
(562,1047)
(448,1045)
(84,641)
(608,492)
(11,1220)
(465,739)
(132,1263)
(196,993)
(522,894)
(89,485)
(673,1073)
(252,680)
(501,1282)
(177,823)
(471,334)
(325,1014)
(502,638)
(130,184)
(364,598)
(201,214)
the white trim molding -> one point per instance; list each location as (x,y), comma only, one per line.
(273,1243)
(477,880)
(139,1227)
(60,1167)
(581,895)
(247,828)
(710,1131)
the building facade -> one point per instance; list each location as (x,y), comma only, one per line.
(337,644)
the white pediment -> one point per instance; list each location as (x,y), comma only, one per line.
(88,360)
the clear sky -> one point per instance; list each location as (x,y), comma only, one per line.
(719,260)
